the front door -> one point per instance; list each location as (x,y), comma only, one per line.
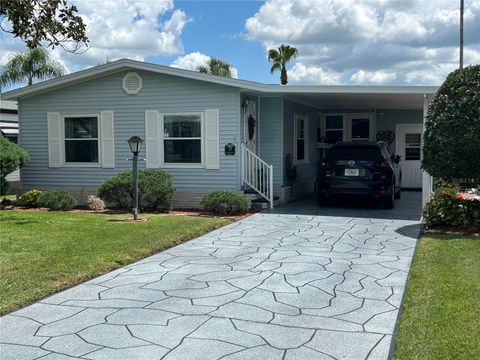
(250,126)
(409,147)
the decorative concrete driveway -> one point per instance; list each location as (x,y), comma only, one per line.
(298,283)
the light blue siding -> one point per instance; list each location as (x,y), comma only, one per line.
(163,92)
(271,136)
(306,172)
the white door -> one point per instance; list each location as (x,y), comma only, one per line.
(250,126)
(409,146)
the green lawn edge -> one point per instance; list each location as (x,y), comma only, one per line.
(42,253)
(440,315)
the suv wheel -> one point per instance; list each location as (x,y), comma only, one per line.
(388,203)
(398,194)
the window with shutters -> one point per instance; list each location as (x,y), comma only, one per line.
(182,139)
(81,139)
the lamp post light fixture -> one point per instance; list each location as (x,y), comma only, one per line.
(135,144)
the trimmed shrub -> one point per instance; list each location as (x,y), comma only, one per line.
(12,156)
(447,208)
(95,203)
(451,141)
(57,200)
(224,203)
(30,198)
(155,190)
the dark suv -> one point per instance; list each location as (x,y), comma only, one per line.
(362,169)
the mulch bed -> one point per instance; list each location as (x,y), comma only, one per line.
(120,212)
(452,230)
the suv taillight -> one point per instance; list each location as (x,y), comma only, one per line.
(327,170)
(384,164)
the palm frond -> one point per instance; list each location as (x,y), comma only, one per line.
(275,66)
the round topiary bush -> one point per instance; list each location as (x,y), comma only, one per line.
(452,142)
(155,190)
(57,200)
(223,202)
(30,198)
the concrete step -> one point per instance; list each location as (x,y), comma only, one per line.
(261,203)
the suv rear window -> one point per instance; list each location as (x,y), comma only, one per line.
(355,153)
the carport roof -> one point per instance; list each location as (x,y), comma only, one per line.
(243,85)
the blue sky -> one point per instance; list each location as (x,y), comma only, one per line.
(217,28)
(411,42)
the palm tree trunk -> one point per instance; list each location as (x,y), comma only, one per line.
(283,76)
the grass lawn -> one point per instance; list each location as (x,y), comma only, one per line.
(44,252)
(441,313)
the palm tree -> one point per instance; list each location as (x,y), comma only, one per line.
(217,67)
(32,64)
(279,58)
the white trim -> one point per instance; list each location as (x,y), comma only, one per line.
(64,163)
(128,64)
(427,179)
(162,138)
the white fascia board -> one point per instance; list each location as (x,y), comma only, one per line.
(243,85)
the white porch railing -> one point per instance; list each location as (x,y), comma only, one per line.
(257,174)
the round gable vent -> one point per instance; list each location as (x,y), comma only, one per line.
(132,83)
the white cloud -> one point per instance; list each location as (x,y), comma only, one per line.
(311,74)
(190,61)
(122,28)
(195,59)
(373,77)
(368,41)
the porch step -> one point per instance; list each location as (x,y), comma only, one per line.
(262,203)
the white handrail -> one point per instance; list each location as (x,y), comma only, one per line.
(257,174)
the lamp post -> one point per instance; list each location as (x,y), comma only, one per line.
(135,144)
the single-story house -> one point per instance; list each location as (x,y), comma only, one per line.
(208,132)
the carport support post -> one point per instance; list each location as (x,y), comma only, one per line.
(426,178)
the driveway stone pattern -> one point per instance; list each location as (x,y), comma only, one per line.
(276,285)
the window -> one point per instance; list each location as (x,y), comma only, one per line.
(301,138)
(360,129)
(333,128)
(182,138)
(412,146)
(81,139)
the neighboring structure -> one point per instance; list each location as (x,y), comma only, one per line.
(9,129)
(208,132)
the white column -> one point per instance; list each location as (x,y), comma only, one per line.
(426,178)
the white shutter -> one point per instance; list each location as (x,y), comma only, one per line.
(152,124)
(54,140)
(107,139)
(211,139)
(307,139)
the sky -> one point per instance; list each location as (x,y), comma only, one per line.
(407,42)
